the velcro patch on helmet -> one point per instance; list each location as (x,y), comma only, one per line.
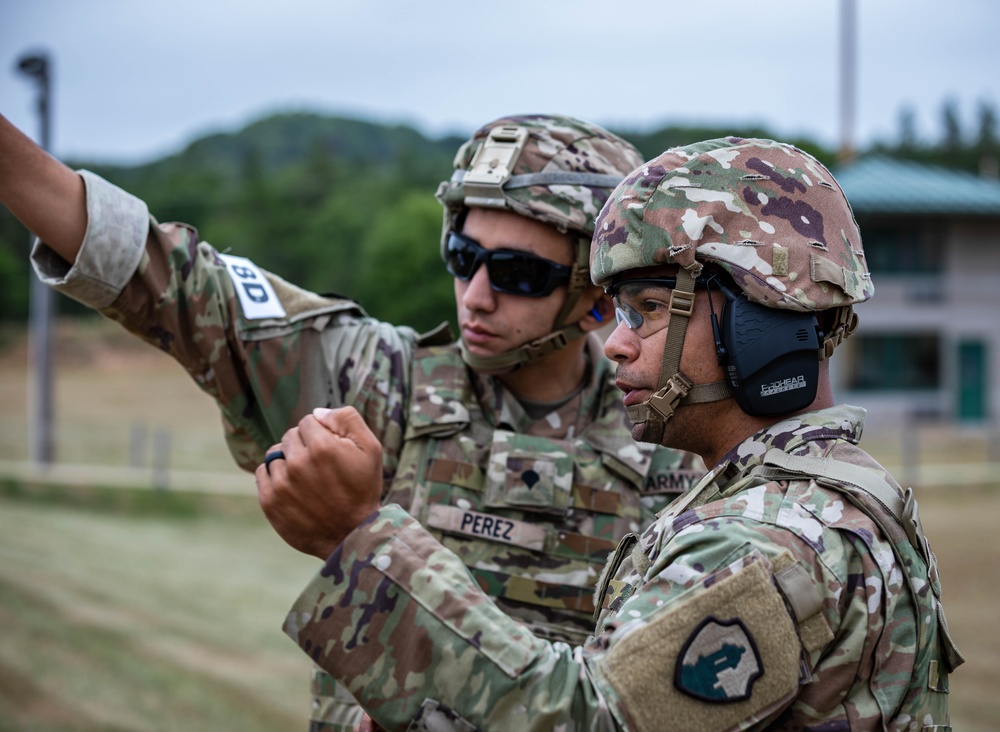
(716,657)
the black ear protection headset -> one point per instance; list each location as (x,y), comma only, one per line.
(771,356)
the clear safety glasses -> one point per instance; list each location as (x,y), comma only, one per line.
(644,304)
(511,272)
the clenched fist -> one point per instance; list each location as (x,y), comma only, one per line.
(328,481)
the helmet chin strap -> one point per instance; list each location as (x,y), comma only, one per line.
(504,363)
(559,338)
(676,389)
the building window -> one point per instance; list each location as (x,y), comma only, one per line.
(903,246)
(895,362)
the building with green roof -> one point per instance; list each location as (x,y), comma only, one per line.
(929,343)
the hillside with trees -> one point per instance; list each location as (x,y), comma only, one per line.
(347,206)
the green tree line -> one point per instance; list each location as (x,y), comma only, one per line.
(347,206)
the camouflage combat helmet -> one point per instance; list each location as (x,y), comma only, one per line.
(769,215)
(556,170)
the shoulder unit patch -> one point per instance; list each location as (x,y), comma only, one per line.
(719,662)
(714,657)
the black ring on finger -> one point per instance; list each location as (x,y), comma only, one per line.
(271,456)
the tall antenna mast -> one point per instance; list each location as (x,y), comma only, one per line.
(848,23)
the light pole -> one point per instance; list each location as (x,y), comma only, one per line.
(40,444)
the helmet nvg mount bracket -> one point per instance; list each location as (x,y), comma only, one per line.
(492,166)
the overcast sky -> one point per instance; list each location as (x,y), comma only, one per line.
(135,79)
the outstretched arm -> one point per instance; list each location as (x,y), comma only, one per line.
(44,195)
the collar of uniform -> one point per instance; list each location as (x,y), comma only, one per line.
(707,489)
(441,394)
(841,422)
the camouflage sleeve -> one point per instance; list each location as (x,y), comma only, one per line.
(117,223)
(398,619)
(268,352)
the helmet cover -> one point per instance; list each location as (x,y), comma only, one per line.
(768,213)
(550,145)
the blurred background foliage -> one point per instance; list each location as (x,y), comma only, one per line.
(340,205)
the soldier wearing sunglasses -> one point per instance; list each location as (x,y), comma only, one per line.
(510,444)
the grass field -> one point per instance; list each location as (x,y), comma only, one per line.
(130,609)
(160,614)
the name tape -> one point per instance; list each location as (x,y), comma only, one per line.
(481,525)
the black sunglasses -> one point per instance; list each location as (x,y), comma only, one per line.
(511,272)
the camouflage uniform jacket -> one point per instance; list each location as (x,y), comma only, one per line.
(771,596)
(532,507)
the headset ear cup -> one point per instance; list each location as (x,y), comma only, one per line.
(772,357)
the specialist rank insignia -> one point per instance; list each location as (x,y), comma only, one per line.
(719,662)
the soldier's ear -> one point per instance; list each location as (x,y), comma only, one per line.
(602,313)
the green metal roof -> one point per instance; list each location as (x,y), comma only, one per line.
(882,185)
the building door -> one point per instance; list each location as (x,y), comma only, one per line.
(971,381)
